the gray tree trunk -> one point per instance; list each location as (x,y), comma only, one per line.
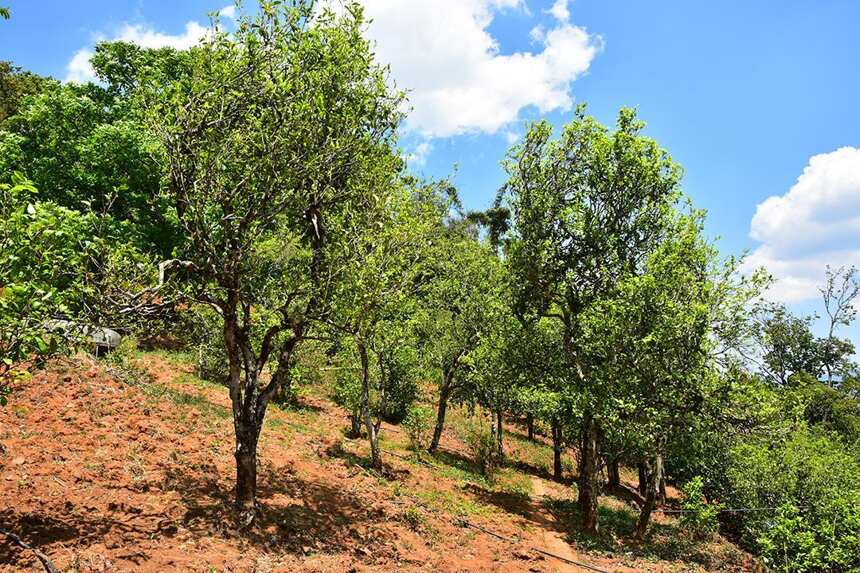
(556,451)
(500,434)
(613,474)
(372,434)
(656,470)
(589,465)
(444,395)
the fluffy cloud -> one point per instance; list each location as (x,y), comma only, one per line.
(816,223)
(79,69)
(457,78)
(228,12)
(442,52)
(560,10)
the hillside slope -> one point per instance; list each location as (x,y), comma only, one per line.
(106,476)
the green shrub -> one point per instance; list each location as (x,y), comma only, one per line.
(45,252)
(347,393)
(790,543)
(418,424)
(815,481)
(481,442)
(699,517)
(212,362)
(414,518)
(401,386)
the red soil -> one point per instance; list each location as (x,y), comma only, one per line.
(103,477)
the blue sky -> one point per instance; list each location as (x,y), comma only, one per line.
(744,94)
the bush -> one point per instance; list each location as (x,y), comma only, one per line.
(481,441)
(401,386)
(212,362)
(44,255)
(347,393)
(815,481)
(698,517)
(790,543)
(120,363)
(418,424)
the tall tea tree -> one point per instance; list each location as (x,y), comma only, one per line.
(270,137)
(659,341)
(587,208)
(382,257)
(464,300)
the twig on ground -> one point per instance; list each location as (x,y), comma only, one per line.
(46,562)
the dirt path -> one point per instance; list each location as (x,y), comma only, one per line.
(553,541)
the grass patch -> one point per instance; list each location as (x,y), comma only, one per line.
(191,399)
(173,357)
(533,453)
(450,502)
(511,481)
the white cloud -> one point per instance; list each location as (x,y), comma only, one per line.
(79,69)
(458,81)
(146,37)
(816,223)
(442,52)
(560,10)
(419,154)
(228,12)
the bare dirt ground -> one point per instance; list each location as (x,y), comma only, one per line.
(105,476)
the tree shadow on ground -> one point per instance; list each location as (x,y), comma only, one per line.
(513,502)
(38,531)
(79,527)
(389,472)
(540,472)
(294,514)
(627,494)
(299,404)
(520,432)
(459,462)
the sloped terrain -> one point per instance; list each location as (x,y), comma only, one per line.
(103,475)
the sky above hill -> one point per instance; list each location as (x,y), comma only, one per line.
(757,100)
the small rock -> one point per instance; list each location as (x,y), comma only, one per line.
(519,554)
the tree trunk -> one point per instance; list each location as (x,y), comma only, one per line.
(444,394)
(246,470)
(556,451)
(530,422)
(642,468)
(613,474)
(650,497)
(589,472)
(372,434)
(661,491)
(245,425)
(500,434)
(355,424)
